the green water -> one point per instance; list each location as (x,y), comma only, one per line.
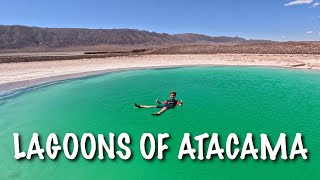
(216,100)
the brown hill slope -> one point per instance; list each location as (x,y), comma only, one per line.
(258,48)
(15,37)
(19,37)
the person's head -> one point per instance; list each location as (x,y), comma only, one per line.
(173,94)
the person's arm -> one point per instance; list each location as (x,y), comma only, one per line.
(180,103)
(161,102)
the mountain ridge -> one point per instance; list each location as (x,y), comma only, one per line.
(20,37)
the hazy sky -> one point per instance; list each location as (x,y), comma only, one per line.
(281,20)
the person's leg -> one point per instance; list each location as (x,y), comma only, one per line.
(142,106)
(160,112)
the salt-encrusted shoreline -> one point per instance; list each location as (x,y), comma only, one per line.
(15,76)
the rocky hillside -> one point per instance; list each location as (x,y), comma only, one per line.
(19,37)
(252,48)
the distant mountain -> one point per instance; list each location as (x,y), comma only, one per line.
(194,38)
(20,37)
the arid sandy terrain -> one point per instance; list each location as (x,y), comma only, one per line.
(24,74)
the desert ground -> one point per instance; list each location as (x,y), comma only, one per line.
(24,74)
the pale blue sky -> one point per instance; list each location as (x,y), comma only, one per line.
(281,20)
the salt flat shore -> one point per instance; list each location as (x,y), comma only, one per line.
(24,74)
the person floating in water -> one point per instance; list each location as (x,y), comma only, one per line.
(168,104)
